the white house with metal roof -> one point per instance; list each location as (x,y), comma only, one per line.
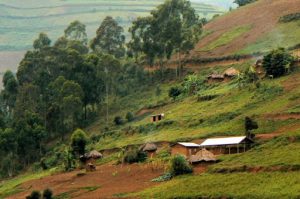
(227,144)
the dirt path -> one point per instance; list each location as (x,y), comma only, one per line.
(283,116)
(109,181)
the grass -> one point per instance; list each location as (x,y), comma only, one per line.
(10,187)
(237,185)
(227,37)
(280,36)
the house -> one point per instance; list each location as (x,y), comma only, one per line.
(150,149)
(90,157)
(156,118)
(227,145)
(202,156)
(185,148)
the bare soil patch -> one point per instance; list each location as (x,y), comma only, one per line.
(109,181)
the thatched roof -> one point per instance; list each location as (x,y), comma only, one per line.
(95,154)
(203,156)
(231,72)
(149,147)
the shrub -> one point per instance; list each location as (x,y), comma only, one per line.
(180,166)
(290,17)
(79,140)
(243,2)
(129,117)
(174,92)
(134,155)
(118,120)
(34,195)
(165,177)
(47,194)
(277,62)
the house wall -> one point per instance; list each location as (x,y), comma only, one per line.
(179,149)
(219,150)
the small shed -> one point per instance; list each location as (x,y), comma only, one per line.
(158,117)
(150,149)
(202,156)
(90,157)
(185,148)
(227,145)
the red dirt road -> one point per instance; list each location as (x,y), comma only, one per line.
(110,181)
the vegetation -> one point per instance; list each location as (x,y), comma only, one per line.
(290,17)
(278,62)
(134,155)
(180,166)
(243,2)
(79,140)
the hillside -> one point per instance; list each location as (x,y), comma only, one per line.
(250,29)
(270,169)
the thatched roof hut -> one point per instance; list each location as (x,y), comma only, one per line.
(149,147)
(231,72)
(203,156)
(95,154)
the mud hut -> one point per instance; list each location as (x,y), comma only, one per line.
(202,156)
(150,149)
(185,148)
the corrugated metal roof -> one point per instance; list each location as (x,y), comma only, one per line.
(188,144)
(223,141)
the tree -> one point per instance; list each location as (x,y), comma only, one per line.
(249,126)
(277,62)
(174,92)
(109,38)
(9,94)
(243,2)
(76,31)
(47,194)
(34,195)
(79,141)
(129,117)
(173,26)
(41,42)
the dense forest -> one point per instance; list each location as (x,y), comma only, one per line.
(65,84)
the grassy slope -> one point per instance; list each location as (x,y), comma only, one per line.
(237,185)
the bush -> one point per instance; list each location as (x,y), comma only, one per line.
(243,2)
(129,117)
(290,17)
(134,155)
(47,194)
(79,140)
(180,166)
(277,62)
(174,92)
(34,195)
(118,120)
